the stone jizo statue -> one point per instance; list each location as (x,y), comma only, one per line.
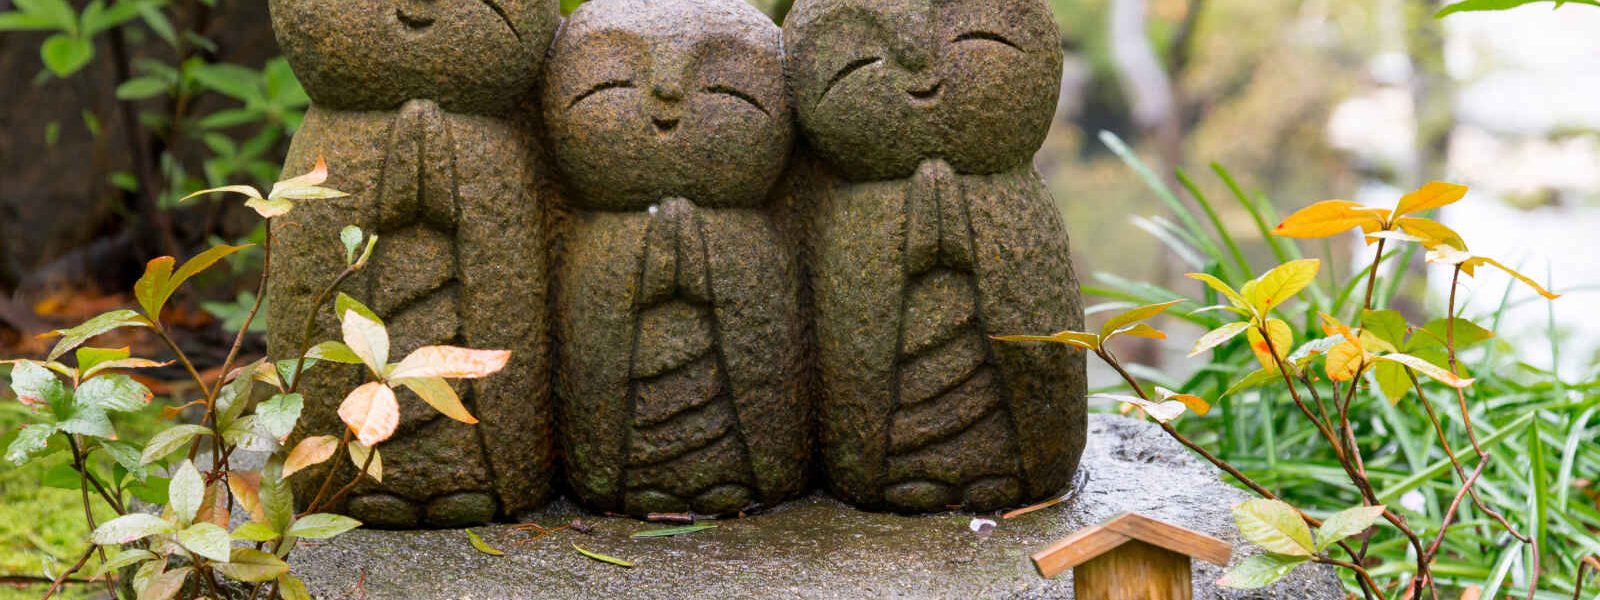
(929,232)
(415,104)
(680,383)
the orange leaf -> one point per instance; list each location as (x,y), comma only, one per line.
(1329,218)
(1433,233)
(1282,340)
(1433,195)
(450,362)
(1345,361)
(246,488)
(317,176)
(372,413)
(310,451)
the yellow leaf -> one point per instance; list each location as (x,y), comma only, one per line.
(1076,339)
(358,457)
(450,362)
(1281,283)
(1282,340)
(244,190)
(372,413)
(482,546)
(1424,367)
(1329,218)
(310,451)
(1135,315)
(1520,277)
(438,394)
(1143,330)
(246,488)
(1195,403)
(1218,336)
(368,339)
(1433,195)
(1221,288)
(1433,233)
(1345,361)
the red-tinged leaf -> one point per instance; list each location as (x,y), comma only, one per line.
(372,413)
(165,585)
(246,489)
(437,393)
(451,363)
(1164,411)
(317,176)
(310,451)
(1218,336)
(1282,341)
(1329,218)
(1433,195)
(199,264)
(151,288)
(214,506)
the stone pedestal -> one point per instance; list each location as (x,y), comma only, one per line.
(816,547)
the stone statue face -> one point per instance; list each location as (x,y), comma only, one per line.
(470,56)
(648,99)
(881,85)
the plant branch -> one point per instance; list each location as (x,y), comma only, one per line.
(63,578)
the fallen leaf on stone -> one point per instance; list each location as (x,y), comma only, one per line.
(603,558)
(983,527)
(482,546)
(672,531)
(1028,509)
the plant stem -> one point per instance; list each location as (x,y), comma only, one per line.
(311,323)
(61,580)
(1372,277)
(88,509)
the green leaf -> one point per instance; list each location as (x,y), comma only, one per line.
(235,396)
(237,82)
(228,118)
(130,527)
(65,54)
(1392,381)
(321,526)
(23,21)
(57,12)
(277,500)
(151,287)
(278,415)
(343,303)
(482,546)
(292,588)
(252,565)
(1488,5)
(152,490)
(1388,325)
(1222,288)
(72,338)
(603,558)
(1253,379)
(127,557)
(1273,525)
(207,540)
(87,419)
(333,352)
(89,358)
(351,237)
(674,531)
(29,442)
(199,264)
(255,532)
(95,22)
(1347,523)
(187,492)
(1424,367)
(61,477)
(1260,570)
(1436,334)
(37,386)
(1280,284)
(126,455)
(140,88)
(170,440)
(115,393)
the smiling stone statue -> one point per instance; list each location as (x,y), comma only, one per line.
(677,305)
(928,232)
(412,104)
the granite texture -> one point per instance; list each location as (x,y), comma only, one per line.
(927,231)
(815,547)
(680,382)
(412,108)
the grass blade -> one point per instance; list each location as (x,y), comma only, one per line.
(673,531)
(602,557)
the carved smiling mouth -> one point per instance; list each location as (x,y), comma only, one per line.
(927,94)
(664,125)
(411,21)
